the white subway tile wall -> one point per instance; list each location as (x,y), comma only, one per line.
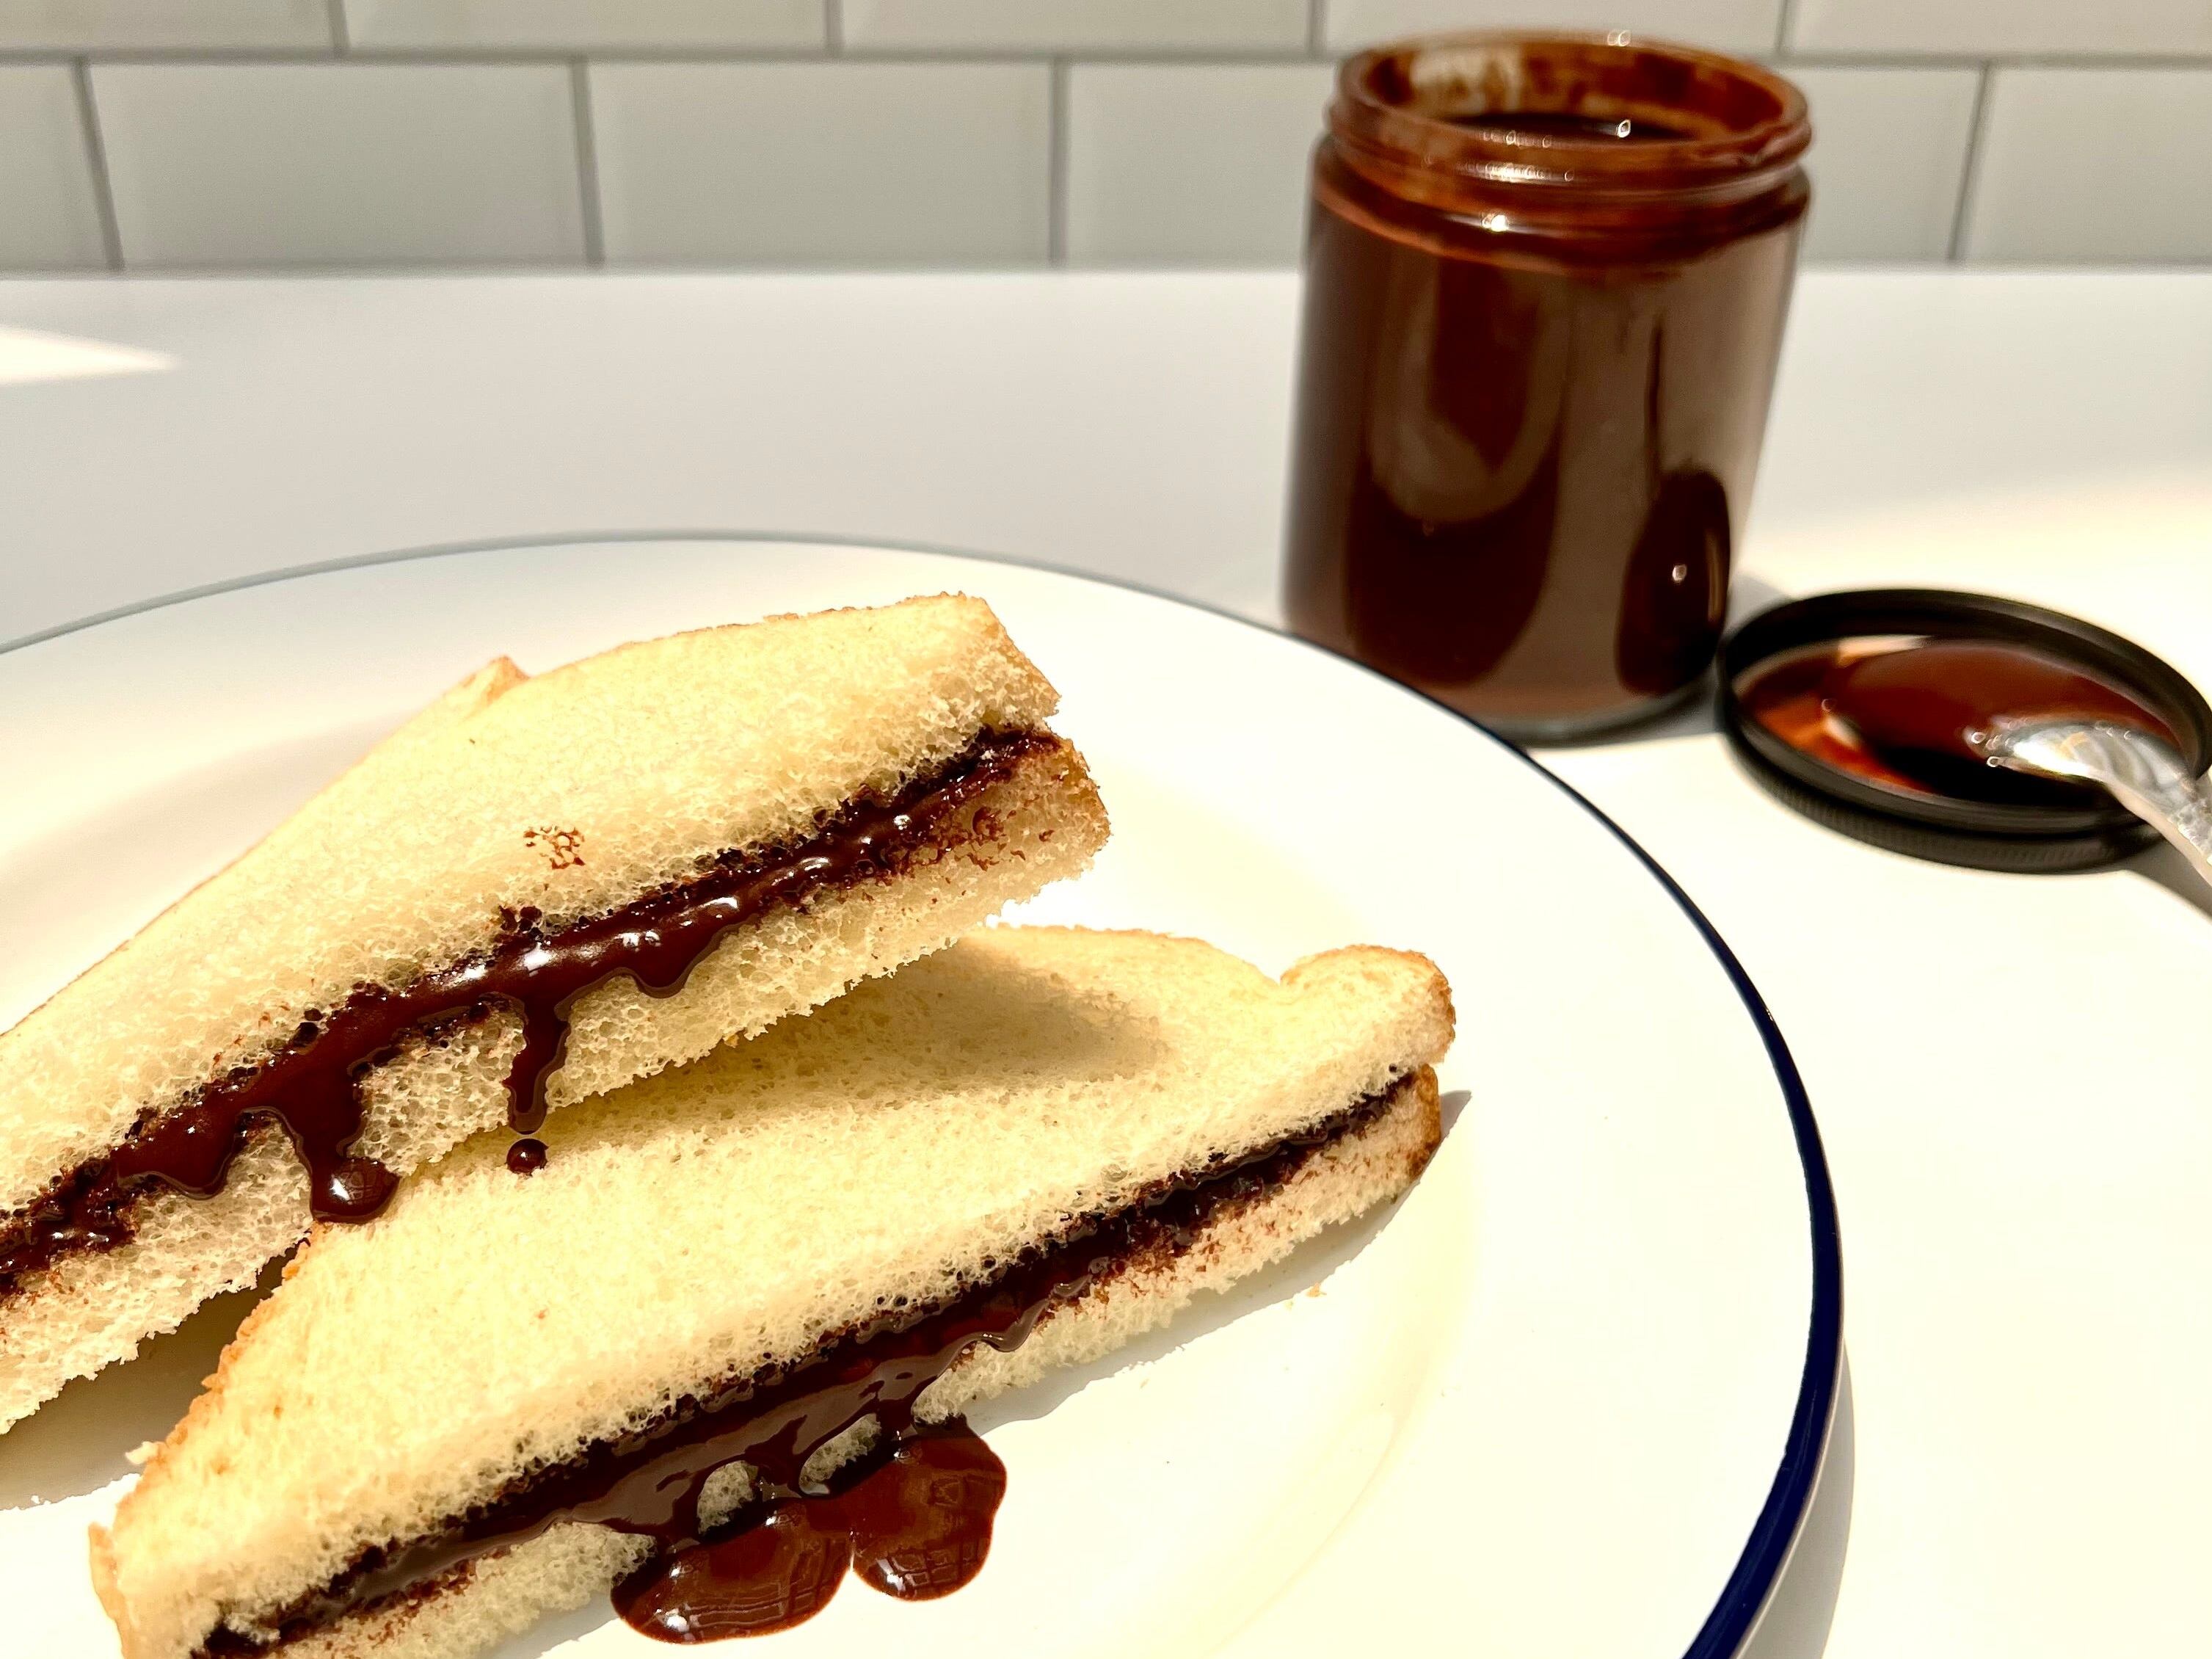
(1189,163)
(166,25)
(1989,28)
(257,134)
(924,164)
(2144,192)
(220,165)
(49,205)
(585,25)
(1727,24)
(1139,26)
(1888,160)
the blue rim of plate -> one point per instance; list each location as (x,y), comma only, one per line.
(1744,1597)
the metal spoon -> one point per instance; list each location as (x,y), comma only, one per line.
(2144,773)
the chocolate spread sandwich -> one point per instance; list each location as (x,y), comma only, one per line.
(537,889)
(509,1394)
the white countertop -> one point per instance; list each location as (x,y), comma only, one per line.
(2007,1070)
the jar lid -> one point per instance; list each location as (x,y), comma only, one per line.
(1985,834)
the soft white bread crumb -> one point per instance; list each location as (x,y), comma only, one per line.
(659,757)
(734,1213)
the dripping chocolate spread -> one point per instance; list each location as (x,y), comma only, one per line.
(911,1520)
(310,1087)
(651,1482)
(527,1156)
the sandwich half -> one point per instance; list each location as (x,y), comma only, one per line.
(507,1395)
(537,890)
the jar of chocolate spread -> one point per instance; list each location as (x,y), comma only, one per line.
(1546,279)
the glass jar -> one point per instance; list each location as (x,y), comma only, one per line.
(1546,280)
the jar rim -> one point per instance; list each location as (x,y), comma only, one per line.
(1749,125)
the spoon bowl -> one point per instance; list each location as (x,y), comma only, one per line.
(2144,773)
(1929,709)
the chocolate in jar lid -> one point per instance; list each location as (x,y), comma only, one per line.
(1779,676)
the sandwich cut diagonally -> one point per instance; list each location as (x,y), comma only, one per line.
(712,1257)
(537,890)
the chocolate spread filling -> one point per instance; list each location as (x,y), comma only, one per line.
(650,1481)
(911,1519)
(310,1086)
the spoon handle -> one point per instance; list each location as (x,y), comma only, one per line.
(2144,776)
(2179,809)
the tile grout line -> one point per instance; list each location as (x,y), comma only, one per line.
(195,57)
(1137,56)
(1970,175)
(1834,59)
(587,161)
(95,147)
(1846,60)
(1314,41)
(1056,169)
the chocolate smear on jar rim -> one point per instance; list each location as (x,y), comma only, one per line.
(310,1088)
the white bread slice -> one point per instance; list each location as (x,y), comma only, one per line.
(655,759)
(738,1213)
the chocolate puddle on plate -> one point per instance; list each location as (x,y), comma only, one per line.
(913,1522)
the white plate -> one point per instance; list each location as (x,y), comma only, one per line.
(1567,1399)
